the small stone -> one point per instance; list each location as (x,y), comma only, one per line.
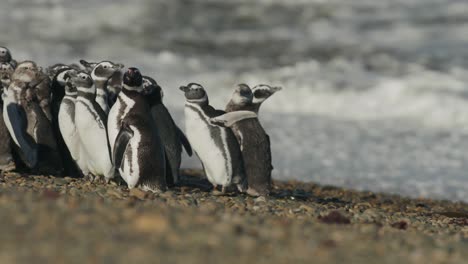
(402,225)
(260,199)
(335,217)
(114,193)
(138,193)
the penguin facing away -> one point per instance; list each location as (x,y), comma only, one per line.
(252,138)
(171,136)
(90,122)
(216,147)
(137,151)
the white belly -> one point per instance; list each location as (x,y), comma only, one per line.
(68,129)
(114,120)
(216,166)
(93,138)
(113,124)
(9,97)
(132,176)
(101,99)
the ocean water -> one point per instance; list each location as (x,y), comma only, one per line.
(375,93)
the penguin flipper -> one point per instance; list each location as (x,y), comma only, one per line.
(18,123)
(228,119)
(121,142)
(184,141)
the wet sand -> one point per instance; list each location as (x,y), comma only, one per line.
(66,220)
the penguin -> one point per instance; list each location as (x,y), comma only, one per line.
(5,56)
(172,137)
(216,147)
(6,158)
(63,124)
(137,150)
(66,121)
(253,140)
(262,92)
(90,122)
(38,84)
(102,74)
(30,129)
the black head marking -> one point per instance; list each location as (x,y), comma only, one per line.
(262,92)
(194,92)
(5,55)
(152,89)
(105,69)
(81,79)
(132,78)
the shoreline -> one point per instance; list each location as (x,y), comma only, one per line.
(70,220)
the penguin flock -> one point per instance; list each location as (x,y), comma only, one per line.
(98,121)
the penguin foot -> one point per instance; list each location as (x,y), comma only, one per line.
(253,192)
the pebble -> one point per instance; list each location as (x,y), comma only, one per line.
(138,193)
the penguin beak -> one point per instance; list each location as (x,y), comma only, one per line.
(277,89)
(183,88)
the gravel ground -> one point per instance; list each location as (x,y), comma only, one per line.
(65,220)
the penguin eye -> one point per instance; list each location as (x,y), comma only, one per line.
(105,66)
(83,77)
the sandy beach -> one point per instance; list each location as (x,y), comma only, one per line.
(67,220)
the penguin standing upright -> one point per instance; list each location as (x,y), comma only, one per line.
(6,158)
(63,118)
(137,151)
(90,122)
(216,146)
(171,136)
(252,138)
(66,118)
(30,129)
(101,75)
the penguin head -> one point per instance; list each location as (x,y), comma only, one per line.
(26,71)
(80,79)
(261,92)
(88,66)
(104,70)
(5,55)
(6,70)
(194,93)
(242,95)
(151,88)
(64,78)
(53,70)
(133,80)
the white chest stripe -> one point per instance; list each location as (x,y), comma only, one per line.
(225,147)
